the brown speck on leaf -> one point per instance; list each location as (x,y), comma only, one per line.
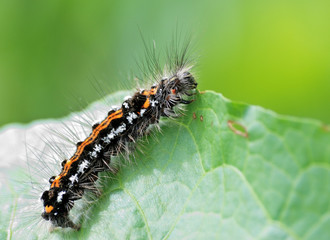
(194,115)
(201,118)
(237,128)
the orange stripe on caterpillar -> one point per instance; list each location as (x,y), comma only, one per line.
(146,104)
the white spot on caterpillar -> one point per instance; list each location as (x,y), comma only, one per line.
(153,103)
(60,196)
(142,112)
(114,133)
(110,136)
(93,154)
(121,128)
(82,166)
(125,104)
(106,139)
(131,116)
(73,179)
(97,148)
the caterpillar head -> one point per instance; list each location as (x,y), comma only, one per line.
(182,83)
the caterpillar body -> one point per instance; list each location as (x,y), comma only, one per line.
(122,127)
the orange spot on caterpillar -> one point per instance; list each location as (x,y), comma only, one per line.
(201,118)
(238,128)
(49,208)
(153,91)
(146,104)
(145,93)
(173,91)
(194,115)
(56,182)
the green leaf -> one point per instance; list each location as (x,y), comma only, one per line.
(224,170)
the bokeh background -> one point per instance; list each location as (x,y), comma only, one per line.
(270,53)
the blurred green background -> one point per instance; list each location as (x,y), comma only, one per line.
(271,53)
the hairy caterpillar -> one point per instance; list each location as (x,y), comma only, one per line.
(116,133)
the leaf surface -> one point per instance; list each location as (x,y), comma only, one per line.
(224,170)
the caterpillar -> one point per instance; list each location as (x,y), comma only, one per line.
(120,129)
